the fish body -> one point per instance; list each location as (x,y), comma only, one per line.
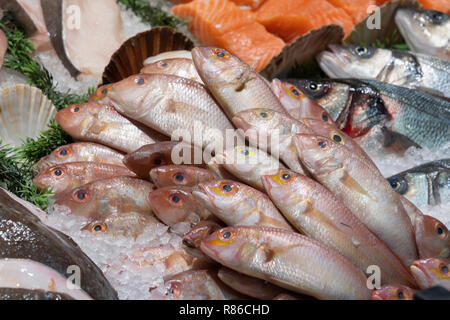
(234,84)
(272,130)
(72,175)
(425,31)
(237,204)
(181,175)
(289,260)
(3,47)
(164,153)
(98,123)
(390,292)
(177,206)
(173,106)
(177,54)
(317,213)
(362,189)
(426,184)
(360,107)
(104,197)
(81,152)
(401,68)
(246,163)
(180,67)
(432,272)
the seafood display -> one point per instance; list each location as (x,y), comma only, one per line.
(268,150)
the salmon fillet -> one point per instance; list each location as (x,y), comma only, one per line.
(253,4)
(438,5)
(357,9)
(292,18)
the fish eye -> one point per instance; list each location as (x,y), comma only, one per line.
(401,295)
(361,50)
(263,114)
(139,81)
(227,188)
(173,290)
(399,185)
(295,92)
(436,17)
(75,109)
(322,144)
(325,117)
(98,227)
(245,152)
(227,235)
(286,176)
(179,177)
(176,199)
(104,91)
(221,54)
(63,152)
(313,86)
(444,268)
(81,196)
(337,137)
(58,172)
(163,64)
(159,161)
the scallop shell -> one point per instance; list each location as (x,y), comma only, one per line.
(24,112)
(129,58)
(362,34)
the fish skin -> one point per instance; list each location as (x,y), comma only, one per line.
(179,175)
(297,104)
(432,272)
(104,197)
(180,67)
(72,175)
(80,152)
(174,205)
(193,285)
(363,190)
(288,260)
(247,164)
(234,84)
(159,154)
(177,54)
(331,132)
(167,104)
(261,126)
(425,184)
(401,68)
(424,33)
(318,214)
(249,286)
(102,124)
(390,292)
(360,107)
(241,205)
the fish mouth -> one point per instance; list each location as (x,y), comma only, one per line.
(377,296)
(404,19)
(420,274)
(240,123)
(333,61)
(202,195)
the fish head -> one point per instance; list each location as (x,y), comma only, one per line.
(149,156)
(412,185)
(79,202)
(424,31)
(246,159)
(174,204)
(318,154)
(101,94)
(283,186)
(165,66)
(200,231)
(76,118)
(432,237)
(232,246)
(57,179)
(127,224)
(223,195)
(179,175)
(390,292)
(289,95)
(430,271)
(219,68)
(66,153)
(326,129)
(345,61)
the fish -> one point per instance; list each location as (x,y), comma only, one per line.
(233,83)
(272,131)
(173,106)
(390,292)
(69,176)
(93,122)
(180,67)
(160,154)
(246,163)
(297,104)
(249,286)
(432,272)
(27,274)
(177,207)
(331,132)
(401,115)
(26,237)
(237,204)
(363,190)
(181,175)
(289,260)
(193,285)
(401,68)
(177,54)
(317,213)
(425,31)
(3,47)
(426,184)
(101,95)
(104,197)
(80,152)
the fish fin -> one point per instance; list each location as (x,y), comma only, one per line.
(352,184)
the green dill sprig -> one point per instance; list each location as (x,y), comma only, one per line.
(152,15)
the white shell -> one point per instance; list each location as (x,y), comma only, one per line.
(24,112)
